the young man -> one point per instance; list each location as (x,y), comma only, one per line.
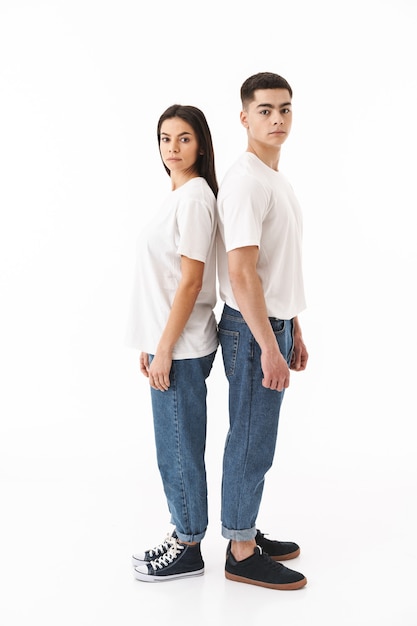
(261,284)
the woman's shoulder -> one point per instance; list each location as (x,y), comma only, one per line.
(197,190)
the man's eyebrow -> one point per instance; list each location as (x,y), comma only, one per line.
(271,106)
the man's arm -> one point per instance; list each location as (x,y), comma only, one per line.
(248,291)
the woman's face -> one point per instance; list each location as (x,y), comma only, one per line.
(178,145)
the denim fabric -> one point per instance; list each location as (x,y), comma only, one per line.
(180,424)
(253,422)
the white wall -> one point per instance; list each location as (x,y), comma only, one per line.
(82,84)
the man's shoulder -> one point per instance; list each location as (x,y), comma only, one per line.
(245,163)
(243,178)
(243,169)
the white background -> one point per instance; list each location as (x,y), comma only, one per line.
(82,85)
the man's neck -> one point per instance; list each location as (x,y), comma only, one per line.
(269,156)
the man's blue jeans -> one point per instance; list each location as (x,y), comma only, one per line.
(253,416)
(180,424)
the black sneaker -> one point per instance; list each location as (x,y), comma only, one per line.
(277,550)
(180,561)
(153,553)
(259,569)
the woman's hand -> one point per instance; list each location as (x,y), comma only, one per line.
(144,363)
(158,371)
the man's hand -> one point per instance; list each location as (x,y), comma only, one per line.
(300,355)
(275,371)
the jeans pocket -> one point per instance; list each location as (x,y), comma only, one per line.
(229,341)
(278,326)
(284,339)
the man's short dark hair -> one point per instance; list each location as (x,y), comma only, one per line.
(263,80)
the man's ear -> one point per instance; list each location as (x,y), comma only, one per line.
(244,119)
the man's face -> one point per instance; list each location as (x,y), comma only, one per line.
(268,117)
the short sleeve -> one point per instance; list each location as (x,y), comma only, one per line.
(196,222)
(244,205)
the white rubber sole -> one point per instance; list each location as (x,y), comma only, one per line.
(149,578)
(136,562)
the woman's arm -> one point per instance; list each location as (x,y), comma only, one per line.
(182,306)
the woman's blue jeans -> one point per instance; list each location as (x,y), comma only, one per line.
(180,424)
(253,422)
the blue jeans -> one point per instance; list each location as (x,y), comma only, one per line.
(180,424)
(253,422)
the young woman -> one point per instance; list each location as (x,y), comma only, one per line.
(174,327)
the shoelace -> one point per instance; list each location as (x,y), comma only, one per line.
(163,547)
(167,558)
(268,561)
(262,535)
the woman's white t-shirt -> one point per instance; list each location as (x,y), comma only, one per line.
(257,207)
(185,225)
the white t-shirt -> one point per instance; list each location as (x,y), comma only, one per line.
(184,225)
(257,207)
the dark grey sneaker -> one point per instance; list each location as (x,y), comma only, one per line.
(259,569)
(153,553)
(180,561)
(277,550)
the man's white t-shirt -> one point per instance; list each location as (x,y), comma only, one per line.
(257,207)
(184,225)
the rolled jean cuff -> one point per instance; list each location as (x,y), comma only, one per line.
(190,538)
(246,534)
